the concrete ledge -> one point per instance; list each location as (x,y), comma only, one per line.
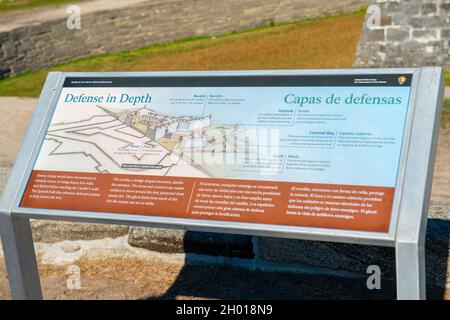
(55,231)
(161,240)
(177,241)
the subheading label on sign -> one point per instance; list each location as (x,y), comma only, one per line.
(315,152)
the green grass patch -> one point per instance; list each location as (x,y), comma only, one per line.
(445,116)
(447,78)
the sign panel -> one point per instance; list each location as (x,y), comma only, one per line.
(311,151)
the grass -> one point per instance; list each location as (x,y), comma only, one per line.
(15,5)
(447,78)
(328,42)
(445,116)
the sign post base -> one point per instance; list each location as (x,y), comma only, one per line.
(20,258)
(410,266)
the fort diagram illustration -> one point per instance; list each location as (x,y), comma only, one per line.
(141,141)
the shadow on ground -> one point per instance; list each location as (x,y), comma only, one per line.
(223,282)
(235,283)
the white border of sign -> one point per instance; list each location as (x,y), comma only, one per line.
(409,213)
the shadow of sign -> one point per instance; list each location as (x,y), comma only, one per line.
(230,280)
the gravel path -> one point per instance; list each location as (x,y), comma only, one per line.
(13,20)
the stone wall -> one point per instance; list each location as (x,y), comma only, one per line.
(33,47)
(411,33)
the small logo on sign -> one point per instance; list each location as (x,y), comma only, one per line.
(401,79)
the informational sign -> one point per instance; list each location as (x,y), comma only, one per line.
(297,150)
(329,155)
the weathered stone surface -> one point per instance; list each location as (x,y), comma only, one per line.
(155,239)
(55,231)
(417,35)
(357,258)
(397,34)
(168,240)
(141,23)
(425,35)
(375,35)
(429,8)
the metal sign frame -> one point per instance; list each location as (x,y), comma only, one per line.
(409,212)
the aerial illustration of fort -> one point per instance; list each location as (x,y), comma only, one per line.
(138,140)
